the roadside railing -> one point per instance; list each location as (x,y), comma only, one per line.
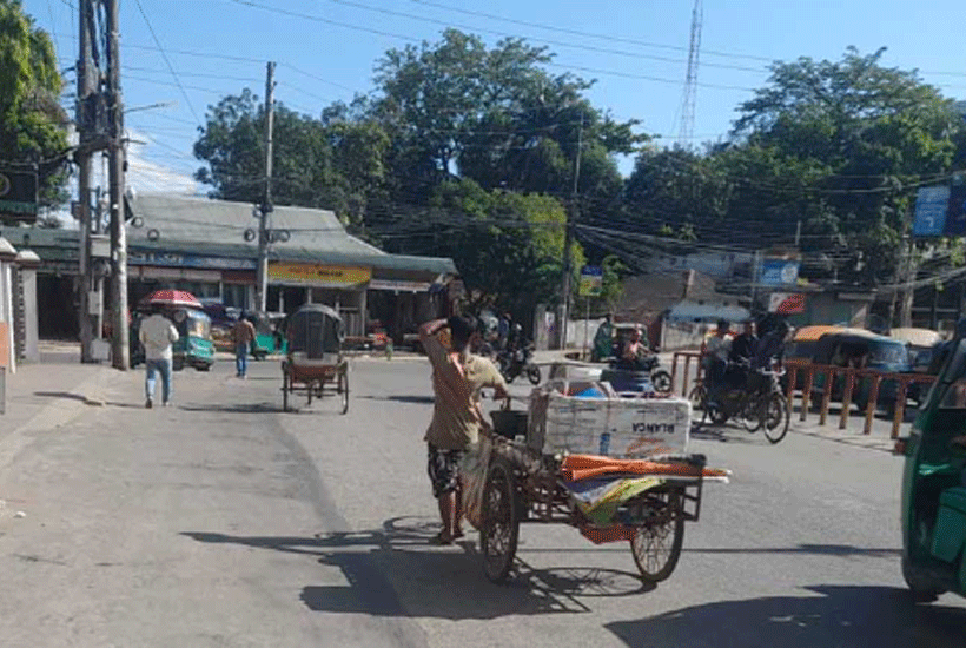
(809,372)
(686,357)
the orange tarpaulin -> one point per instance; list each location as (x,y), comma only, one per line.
(581,467)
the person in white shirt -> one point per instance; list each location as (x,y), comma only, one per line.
(157,334)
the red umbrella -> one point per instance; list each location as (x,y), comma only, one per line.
(176,298)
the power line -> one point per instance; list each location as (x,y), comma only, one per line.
(583,34)
(557,43)
(370,30)
(167,61)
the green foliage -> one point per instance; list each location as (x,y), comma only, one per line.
(837,148)
(508,246)
(32,124)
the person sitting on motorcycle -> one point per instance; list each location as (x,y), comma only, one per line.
(715,352)
(633,353)
(743,345)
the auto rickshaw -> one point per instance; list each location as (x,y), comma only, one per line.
(194,347)
(863,350)
(269,337)
(934,484)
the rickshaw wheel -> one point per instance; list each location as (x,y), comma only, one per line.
(777,418)
(343,387)
(699,403)
(501,525)
(657,548)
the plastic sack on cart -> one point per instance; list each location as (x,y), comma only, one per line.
(473,472)
(600,498)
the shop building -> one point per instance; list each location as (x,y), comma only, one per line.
(209,247)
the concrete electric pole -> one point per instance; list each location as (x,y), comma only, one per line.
(572,214)
(82,157)
(266,207)
(115,113)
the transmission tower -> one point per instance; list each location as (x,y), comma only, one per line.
(691,83)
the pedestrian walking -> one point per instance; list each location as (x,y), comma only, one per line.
(458,378)
(157,334)
(242,334)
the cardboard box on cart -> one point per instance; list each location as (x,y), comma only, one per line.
(609,425)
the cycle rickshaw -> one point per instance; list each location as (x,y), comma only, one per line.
(315,358)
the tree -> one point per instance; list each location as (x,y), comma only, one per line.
(496,116)
(863,137)
(334,163)
(33,127)
(507,246)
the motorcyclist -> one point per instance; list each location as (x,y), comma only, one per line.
(632,353)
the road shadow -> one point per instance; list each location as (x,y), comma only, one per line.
(396,571)
(414,400)
(238,408)
(812,549)
(61,394)
(830,616)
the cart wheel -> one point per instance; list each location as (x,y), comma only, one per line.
(657,548)
(344,390)
(501,524)
(777,418)
(661,380)
(285,389)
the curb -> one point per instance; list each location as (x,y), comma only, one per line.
(89,392)
(854,440)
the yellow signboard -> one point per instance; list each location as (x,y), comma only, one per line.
(323,276)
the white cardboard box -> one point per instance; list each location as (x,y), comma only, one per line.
(607,426)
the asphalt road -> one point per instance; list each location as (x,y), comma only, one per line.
(221,521)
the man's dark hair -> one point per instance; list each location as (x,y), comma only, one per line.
(461,330)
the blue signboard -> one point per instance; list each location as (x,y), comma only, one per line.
(779,272)
(178,260)
(591,281)
(931,206)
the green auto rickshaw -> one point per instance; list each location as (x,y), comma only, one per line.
(194,347)
(934,484)
(269,336)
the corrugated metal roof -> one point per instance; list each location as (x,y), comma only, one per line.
(208,227)
(186,218)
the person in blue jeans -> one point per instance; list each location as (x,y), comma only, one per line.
(243,334)
(157,334)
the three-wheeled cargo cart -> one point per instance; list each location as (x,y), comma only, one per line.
(532,466)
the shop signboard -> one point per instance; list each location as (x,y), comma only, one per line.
(779,272)
(320,276)
(402,285)
(591,281)
(786,303)
(18,193)
(176,259)
(932,204)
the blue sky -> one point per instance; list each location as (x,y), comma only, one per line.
(642,78)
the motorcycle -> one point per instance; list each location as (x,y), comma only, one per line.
(517,362)
(755,399)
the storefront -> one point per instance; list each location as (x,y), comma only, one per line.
(230,280)
(340,287)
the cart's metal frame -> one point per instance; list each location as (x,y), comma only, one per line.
(311,380)
(535,488)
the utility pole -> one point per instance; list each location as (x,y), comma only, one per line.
(115,114)
(572,215)
(266,207)
(84,119)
